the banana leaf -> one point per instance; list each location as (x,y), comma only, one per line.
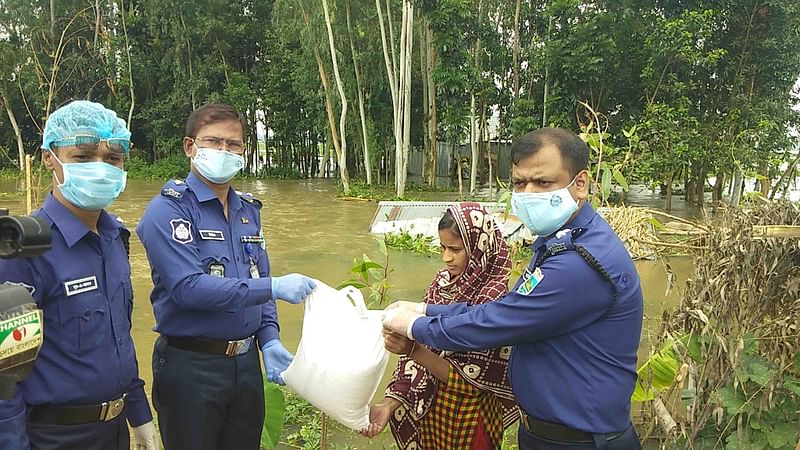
(657,373)
(274,414)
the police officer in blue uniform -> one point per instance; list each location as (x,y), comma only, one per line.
(213,295)
(85,382)
(574,318)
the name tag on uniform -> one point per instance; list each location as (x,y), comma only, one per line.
(531,281)
(81,285)
(212,235)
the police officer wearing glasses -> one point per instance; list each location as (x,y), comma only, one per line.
(85,383)
(574,318)
(213,295)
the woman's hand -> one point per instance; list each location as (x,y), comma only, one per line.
(397,343)
(379,415)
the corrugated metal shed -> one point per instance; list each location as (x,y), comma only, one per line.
(423,218)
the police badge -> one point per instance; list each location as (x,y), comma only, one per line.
(181,230)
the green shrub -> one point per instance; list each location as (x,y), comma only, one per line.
(173,166)
(281,173)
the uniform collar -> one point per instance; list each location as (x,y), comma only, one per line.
(204,193)
(585,215)
(71,227)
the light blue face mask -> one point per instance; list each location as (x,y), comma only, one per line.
(91,185)
(544,213)
(217,166)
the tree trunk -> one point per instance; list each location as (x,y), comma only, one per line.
(474,134)
(546,75)
(406,48)
(738,181)
(427,61)
(191,57)
(17,131)
(668,200)
(342,150)
(96,23)
(473,144)
(515,52)
(426,144)
(128,54)
(362,114)
(716,194)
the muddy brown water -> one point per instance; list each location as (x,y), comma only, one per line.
(308,230)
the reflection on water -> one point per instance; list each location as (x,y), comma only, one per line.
(309,231)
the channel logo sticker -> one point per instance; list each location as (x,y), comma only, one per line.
(20,334)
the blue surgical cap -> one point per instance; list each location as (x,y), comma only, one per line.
(83,117)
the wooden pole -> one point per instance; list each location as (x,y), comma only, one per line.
(28,190)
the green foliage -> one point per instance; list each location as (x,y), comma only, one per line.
(657,373)
(306,420)
(173,166)
(373,276)
(274,414)
(9,173)
(521,255)
(415,243)
(281,173)
(360,189)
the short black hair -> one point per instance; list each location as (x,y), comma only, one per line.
(574,152)
(213,113)
(448,222)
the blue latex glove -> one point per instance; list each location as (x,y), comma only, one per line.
(292,288)
(276,360)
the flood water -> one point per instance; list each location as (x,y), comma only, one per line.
(309,230)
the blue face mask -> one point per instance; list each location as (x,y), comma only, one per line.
(217,166)
(544,213)
(91,185)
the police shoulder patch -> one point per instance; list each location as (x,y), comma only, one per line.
(531,281)
(174,189)
(248,197)
(181,230)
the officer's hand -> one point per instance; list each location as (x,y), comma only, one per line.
(145,437)
(398,343)
(408,306)
(399,320)
(293,288)
(276,360)
(379,415)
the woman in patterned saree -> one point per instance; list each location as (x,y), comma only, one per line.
(445,400)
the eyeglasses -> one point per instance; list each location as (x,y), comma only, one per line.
(90,143)
(218,144)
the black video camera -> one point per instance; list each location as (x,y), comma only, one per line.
(21,322)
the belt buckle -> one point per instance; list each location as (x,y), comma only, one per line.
(111,409)
(236,348)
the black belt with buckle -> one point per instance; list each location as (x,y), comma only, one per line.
(202,345)
(77,414)
(558,432)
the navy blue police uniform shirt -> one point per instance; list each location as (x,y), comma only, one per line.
(83,286)
(210,274)
(574,355)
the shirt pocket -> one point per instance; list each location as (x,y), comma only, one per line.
(83,322)
(215,259)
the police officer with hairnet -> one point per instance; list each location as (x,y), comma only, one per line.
(213,295)
(85,383)
(574,318)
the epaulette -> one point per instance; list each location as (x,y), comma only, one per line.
(248,197)
(174,189)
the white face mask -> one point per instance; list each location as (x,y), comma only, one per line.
(217,166)
(544,213)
